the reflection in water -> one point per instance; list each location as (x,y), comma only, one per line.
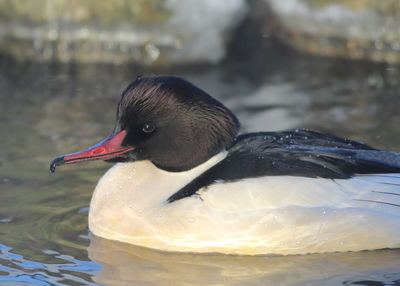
(141,266)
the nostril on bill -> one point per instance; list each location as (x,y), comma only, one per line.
(99,150)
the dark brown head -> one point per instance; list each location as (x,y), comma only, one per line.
(166,120)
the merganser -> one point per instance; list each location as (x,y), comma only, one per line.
(185,181)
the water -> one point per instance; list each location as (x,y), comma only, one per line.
(48,110)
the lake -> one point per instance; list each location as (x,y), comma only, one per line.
(48,110)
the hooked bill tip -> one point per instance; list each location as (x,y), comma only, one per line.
(56,162)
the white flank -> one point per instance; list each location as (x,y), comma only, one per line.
(280,215)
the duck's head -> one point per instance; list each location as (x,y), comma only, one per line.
(166,120)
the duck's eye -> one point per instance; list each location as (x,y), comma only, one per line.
(148,127)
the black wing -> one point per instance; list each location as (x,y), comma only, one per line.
(296,153)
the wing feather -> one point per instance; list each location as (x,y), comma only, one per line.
(299,153)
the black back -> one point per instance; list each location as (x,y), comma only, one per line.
(296,153)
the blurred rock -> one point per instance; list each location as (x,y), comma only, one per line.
(149,32)
(362,29)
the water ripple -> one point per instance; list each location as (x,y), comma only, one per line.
(16,269)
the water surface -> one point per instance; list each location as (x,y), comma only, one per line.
(48,110)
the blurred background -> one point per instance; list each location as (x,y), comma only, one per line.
(328,65)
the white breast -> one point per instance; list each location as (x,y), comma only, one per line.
(282,215)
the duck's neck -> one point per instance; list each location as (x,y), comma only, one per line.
(142,184)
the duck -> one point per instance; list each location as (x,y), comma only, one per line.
(185,180)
